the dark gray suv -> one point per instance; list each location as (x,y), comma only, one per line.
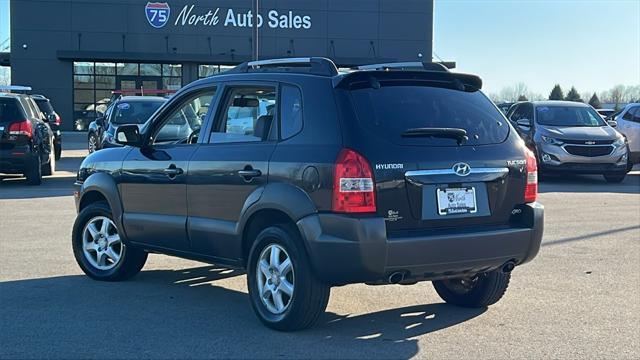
(309,179)
(571,137)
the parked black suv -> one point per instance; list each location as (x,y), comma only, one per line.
(26,140)
(44,104)
(308,179)
(122,110)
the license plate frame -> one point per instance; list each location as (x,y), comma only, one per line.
(463,198)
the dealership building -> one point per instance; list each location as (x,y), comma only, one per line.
(76,52)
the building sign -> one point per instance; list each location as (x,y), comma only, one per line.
(158,15)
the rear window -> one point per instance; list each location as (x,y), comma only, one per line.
(10,111)
(392,109)
(45,106)
(129,112)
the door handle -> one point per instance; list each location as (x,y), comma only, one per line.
(249,174)
(172,171)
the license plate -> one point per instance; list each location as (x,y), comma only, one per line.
(455,201)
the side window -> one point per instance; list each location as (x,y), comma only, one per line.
(636,114)
(183,122)
(27,108)
(527,112)
(628,115)
(247,115)
(290,111)
(515,113)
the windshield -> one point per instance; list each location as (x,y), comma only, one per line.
(568,116)
(45,106)
(134,112)
(392,110)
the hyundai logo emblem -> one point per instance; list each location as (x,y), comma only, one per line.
(462,169)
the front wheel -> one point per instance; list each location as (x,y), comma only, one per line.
(49,168)
(98,248)
(33,172)
(477,291)
(58,151)
(285,293)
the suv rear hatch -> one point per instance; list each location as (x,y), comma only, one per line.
(13,123)
(411,127)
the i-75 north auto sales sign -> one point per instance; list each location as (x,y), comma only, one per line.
(159,14)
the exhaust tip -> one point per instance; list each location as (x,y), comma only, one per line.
(508,267)
(396,277)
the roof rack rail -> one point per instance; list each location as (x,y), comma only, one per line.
(311,65)
(14,88)
(407,65)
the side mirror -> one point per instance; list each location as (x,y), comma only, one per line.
(524,123)
(612,123)
(51,118)
(128,134)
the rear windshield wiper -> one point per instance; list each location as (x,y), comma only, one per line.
(451,133)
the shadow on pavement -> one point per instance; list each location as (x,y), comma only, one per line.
(589,184)
(591,236)
(182,314)
(60,184)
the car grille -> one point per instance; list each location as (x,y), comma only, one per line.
(588,142)
(589,151)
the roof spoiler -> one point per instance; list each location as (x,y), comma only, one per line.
(409,65)
(310,65)
(463,82)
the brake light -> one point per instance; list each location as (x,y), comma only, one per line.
(58,120)
(353,185)
(21,128)
(531,189)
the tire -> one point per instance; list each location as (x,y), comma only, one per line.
(49,168)
(130,260)
(34,171)
(487,289)
(614,178)
(58,151)
(92,143)
(309,296)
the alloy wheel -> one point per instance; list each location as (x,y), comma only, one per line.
(275,275)
(101,243)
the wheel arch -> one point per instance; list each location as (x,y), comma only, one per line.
(101,186)
(272,204)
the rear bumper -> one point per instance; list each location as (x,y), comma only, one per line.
(15,161)
(347,250)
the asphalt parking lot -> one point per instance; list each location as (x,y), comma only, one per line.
(580,298)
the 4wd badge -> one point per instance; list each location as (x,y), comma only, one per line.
(157,14)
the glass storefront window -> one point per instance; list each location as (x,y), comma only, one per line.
(172,69)
(105,69)
(207,70)
(127,69)
(105,82)
(172,83)
(83,68)
(150,70)
(83,81)
(83,96)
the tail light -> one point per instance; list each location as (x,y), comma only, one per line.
(353,186)
(21,128)
(531,189)
(58,120)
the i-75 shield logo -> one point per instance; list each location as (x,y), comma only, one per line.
(157,14)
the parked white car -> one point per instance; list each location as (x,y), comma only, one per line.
(629,125)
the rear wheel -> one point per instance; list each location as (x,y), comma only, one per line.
(49,168)
(285,293)
(92,143)
(98,248)
(58,151)
(478,291)
(614,178)
(33,172)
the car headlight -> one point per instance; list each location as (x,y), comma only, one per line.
(550,140)
(620,142)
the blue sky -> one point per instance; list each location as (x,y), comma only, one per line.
(590,44)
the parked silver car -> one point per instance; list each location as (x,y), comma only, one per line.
(571,137)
